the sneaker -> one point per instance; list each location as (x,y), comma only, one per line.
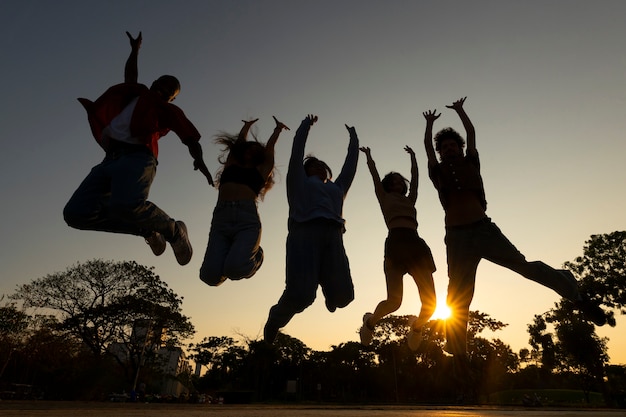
(181,245)
(366,333)
(591,311)
(157,243)
(414,339)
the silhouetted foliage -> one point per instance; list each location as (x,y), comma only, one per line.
(119,309)
(601,270)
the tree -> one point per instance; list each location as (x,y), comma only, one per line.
(106,304)
(221,355)
(13,324)
(602,270)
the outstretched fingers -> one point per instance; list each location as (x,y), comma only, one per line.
(431,115)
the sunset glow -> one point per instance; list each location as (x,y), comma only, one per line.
(442,312)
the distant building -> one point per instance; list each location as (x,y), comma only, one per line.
(171,361)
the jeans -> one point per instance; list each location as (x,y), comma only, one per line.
(113,198)
(315,257)
(466,246)
(233,250)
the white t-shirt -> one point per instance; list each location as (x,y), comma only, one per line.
(119,128)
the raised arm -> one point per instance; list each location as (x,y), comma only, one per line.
(245,129)
(430,116)
(296,169)
(348,170)
(414,175)
(467,123)
(268,162)
(378,186)
(131,73)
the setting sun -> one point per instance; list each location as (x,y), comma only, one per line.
(442,312)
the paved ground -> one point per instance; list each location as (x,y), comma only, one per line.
(62,409)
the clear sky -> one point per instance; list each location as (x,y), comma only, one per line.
(545,82)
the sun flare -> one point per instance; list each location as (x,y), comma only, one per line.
(442,312)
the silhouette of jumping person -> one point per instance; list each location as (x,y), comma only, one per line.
(234,249)
(315,252)
(405,251)
(472,236)
(127,121)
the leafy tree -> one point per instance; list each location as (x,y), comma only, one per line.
(602,270)
(13,324)
(223,358)
(106,304)
(573,346)
(542,344)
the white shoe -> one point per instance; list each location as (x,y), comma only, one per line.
(365,332)
(414,337)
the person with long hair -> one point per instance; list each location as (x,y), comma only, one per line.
(234,249)
(405,251)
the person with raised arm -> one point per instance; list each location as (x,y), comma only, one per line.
(472,236)
(234,248)
(315,252)
(405,251)
(127,121)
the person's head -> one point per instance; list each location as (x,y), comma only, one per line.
(167,86)
(314,166)
(395,183)
(249,154)
(449,143)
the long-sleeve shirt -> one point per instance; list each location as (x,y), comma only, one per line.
(309,197)
(152,117)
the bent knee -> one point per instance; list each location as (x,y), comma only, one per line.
(75,218)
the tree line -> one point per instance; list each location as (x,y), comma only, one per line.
(75,335)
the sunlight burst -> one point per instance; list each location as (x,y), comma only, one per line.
(442,312)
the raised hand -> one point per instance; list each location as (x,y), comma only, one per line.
(311,118)
(280,125)
(409,150)
(457,105)
(351,130)
(249,123)
(135,43)
(431,115)
(366,150)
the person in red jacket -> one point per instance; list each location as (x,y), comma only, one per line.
(127,121)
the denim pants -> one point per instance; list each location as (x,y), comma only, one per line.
(114,198)
(466,246)
(315,257)
(234,250)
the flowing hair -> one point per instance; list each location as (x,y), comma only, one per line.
(233,152)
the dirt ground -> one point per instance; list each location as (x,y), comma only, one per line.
(89,409)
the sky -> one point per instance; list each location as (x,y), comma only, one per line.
(545,87)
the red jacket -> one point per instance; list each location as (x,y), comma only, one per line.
(152,119)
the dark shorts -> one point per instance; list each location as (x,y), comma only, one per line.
(405,249)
